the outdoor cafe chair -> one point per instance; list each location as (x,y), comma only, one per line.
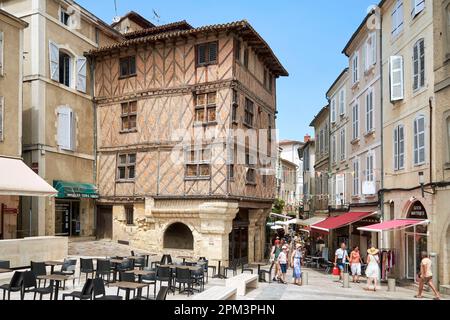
(126,277)
(199,277)
(263,273)
(150,280)
(39,269)
(68,269)
(139,262)
(208,267)
(183,277)
(232,267)
(87,267)
(84,294)
(15,285)
(126,265)
(166,259)
(99,290)
(245,267)
(103,270)
(29,285)
(162,294)
(164,274)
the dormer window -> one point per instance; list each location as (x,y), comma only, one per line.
(64,17)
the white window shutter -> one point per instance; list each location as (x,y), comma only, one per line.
(418,6)
(54,61)
(2,102)
(1,52)
(81,74)
(396,78)
(65,128)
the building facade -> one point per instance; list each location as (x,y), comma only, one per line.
(308,156)
(321,125)
(290,151)
(170,100)
(11,72)
(58,113)
(288,187)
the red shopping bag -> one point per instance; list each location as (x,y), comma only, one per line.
(336,271)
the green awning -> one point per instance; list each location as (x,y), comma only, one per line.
(75,190)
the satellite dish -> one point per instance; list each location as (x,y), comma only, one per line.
(116,19)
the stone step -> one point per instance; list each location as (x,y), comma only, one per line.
(81,239)
(445,289)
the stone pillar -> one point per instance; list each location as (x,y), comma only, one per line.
(253,217)
(216,223)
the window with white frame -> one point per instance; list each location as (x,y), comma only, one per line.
(371,51)
(419,64)
(64,17)
(333,148)
(343,149)
(419,140)
(369,111)
(355,122)
(326,139)
(356,180)
(399,148)
(355,68)
(447,122)
(397,18)
(340,189)
(370,177)
(396,78)
(342,102)
(417,7)
(66,128)
(2,112)
(333,110)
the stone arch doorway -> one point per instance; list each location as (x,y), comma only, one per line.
(178,236)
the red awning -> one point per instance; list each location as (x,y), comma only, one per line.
(341,221)
(393,225)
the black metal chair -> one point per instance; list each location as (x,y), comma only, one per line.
(214,268)
(126,277)
(126,265)
(29,285)
(263,273)
(199,277)
(233,267)
(39,269)
(162,294)
(68,269)
(139,262)
(87,267)
(245,267)
(164,274)
(84,294)
(99,290)
(150,280)
(166,259)
(15,285)
(4,264)
(183,277)
(103,270)
(132,253)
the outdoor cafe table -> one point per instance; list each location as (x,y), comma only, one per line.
(141,273)
(185,258)
(58,279)
(53,264)
(5,270)
(115,262)
(128,286)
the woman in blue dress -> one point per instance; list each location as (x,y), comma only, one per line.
(296,262)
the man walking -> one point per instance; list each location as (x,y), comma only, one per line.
(340,258)
(426,277)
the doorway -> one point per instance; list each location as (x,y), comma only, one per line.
(416,242)
(104,222)
(67,218)
(238,238)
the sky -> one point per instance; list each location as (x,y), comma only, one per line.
(307,37)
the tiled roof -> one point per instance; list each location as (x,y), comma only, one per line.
(244,29)
(137,18)
(175,26)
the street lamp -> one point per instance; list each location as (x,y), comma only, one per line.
(422,184)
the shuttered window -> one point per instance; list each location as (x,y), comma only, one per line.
(66,129)
(419,140)
(397,18)
(417,7)
(399,148)
(54,61)
(2,115)
(65,64)
(207,53)
(81,74)
(355,122)
(333,110)
(356,181)
(129,214)
(333,149)
(237,50)
(355,68)
(126,167)
(396,78)
(342,102)
(249,112)
(246,57)
(369,111)
(129,116)
(419,64)
(371,51)
(235,106)
(1,52)
(343,147)
(340,189)
(370,167)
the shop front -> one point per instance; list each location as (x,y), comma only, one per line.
(74,208)
(238,238)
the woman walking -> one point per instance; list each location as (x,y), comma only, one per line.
(296,263)
(276,250)
(355,264)
(373,268)
(283,260)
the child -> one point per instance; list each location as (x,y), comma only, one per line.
(282,260)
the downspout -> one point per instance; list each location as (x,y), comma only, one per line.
(94,106)
(381,194)
(430,101)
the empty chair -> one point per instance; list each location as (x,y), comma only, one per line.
(150,280)
(103,270)
(84,294)
(164,274)
(29,285)
(87,267)
(99,291)
(139,262)
(263,273)
(68,269)
(4,264)
(245,267)
(126,265)
(39,269)
(233,267)
(183,277)
(205,265)
(126,277)
(166,259)
(15,285)
(198,277)
(162,294)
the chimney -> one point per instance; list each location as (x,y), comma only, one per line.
(307,138)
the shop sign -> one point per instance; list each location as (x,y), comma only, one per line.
(417,211)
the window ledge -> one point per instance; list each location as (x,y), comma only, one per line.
(197,178)
(356,197)
(249,183)
(248,125)
(128,76)
(205,124)
(447,166)
(355,85)
(370,196)
(200,65)
(128,131)
(355,141)
(370,70)
(370,133)
(125,181)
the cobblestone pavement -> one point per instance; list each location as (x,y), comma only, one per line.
(320,286)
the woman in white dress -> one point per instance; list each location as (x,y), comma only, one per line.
(373,268)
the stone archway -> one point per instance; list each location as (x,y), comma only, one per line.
(178,236)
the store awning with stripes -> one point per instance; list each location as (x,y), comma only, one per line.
(399,224)
(340,221)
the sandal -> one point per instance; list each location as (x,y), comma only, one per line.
(437,298)
(418,297)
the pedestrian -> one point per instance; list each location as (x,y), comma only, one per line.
(426,277)
(296,264)
(355,264)
(276,250)
(373,268)
(282,260)
(340,258)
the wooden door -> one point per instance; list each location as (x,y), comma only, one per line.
(104,222)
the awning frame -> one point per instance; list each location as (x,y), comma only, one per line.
(420,223)
(369,214)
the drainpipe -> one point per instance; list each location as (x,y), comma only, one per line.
(430,101)
(94,106)
(382,240)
